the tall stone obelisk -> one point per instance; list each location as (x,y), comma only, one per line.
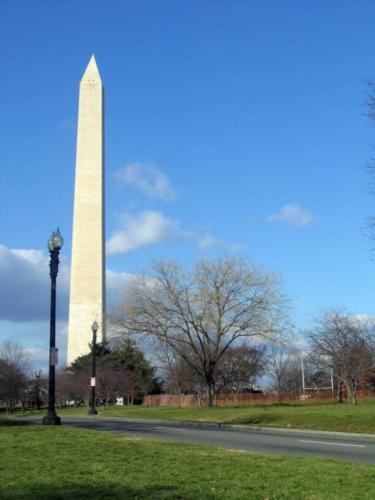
(87,284)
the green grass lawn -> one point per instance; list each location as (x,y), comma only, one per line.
(313,415)
(38,462)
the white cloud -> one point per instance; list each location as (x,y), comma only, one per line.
(116,284)
(365,319)
(209,241)
(237,248)
(38,353)
(39,357)
(144,229)
(292,214)
(25,290)
(24,294)
(34,337)
(24,273)
(25,301)
(149,179)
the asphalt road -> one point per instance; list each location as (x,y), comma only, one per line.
(355,449)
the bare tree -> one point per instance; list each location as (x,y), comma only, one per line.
(37,390)
(240,367)
(201,314)
(14,353)
(345,344)
(178,376)
(282,367)
(13,373)
(13,384)
(72,388)
(173,368)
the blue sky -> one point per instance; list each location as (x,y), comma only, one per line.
(232,128)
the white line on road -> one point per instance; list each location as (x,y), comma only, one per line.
(333,444)
(172,429)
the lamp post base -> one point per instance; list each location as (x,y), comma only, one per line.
(51,419)
(92,411)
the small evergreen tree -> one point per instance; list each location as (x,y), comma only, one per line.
(122,371)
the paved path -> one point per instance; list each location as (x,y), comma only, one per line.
(355,449)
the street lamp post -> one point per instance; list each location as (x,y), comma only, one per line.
(54,246)
(94,328)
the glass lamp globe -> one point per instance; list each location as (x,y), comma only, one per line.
(95,326)
(57,240)
(50,245)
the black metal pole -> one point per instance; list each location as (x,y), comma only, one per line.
(92,410)
(51,418)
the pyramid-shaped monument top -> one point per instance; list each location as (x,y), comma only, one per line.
(91,73)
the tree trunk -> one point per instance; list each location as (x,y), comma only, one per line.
(209,396)
(279,390)
(210,390)
(352,391)
(340,398)
(353,397)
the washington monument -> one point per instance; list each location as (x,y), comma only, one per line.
(87,284)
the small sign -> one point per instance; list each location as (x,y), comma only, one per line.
(54,356)
(93,382)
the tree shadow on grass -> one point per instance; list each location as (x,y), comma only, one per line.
(258,419)
(98,492)
(7,422)
(295,404)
